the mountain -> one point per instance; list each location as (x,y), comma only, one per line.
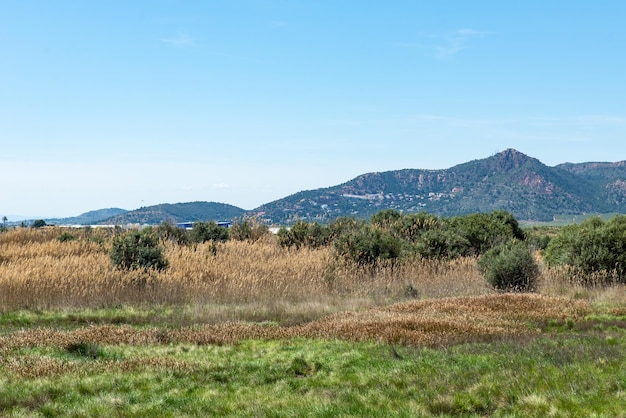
(509,180)
(88,218)
(178,212)
(606,178)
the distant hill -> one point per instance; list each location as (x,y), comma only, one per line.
(607,179)
(88,218)
(178,212)
(509,180)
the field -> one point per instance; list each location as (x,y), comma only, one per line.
(254,329)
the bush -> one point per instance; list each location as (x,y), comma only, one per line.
(304,234)
(509,266)
(368,245)
(344,225)
(484,231)
(208,231)
(442,243)
(248,231)
(591,247)
(172,233)
(66,237)
(408,227)
(85,349)
(135,250)
(39,223)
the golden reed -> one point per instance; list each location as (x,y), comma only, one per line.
(260,279)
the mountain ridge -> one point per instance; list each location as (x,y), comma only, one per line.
(178,212)
(509,180)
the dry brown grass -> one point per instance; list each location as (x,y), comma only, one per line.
(241,280)
(599,287)
(436,322)
(440,302)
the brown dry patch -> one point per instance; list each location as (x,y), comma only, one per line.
(438,322)
(37,366)
(33,367)
(448,321)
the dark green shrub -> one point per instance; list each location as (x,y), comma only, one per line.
(539,236)
(442,243)
(486,230)
(509,266)
(135,250)
(240,231)
(39,223)
(208,231)
(386,219)
(168,232)
(590,247)
(303,234)
(65,237)
(343,225)
(248,230)
(408,227)
(85,349)
(413,226)
(367,246)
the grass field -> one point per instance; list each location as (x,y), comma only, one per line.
(253,329)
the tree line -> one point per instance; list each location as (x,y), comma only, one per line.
(504,251)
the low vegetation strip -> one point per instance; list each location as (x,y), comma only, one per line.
(441,322)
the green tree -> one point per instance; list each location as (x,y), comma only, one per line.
(136,250)
(39,223)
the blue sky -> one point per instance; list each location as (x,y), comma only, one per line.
(134,103)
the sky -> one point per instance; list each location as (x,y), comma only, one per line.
(134,103)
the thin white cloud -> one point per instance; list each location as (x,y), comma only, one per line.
(220,186)
(180,40)
(452,43)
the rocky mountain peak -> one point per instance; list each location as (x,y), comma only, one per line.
(511,159)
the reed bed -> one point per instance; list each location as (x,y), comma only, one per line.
(236,280)
(232,280)
(601,287)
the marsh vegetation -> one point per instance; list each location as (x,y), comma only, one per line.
(255,326)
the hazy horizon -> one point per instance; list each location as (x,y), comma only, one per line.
(118,104)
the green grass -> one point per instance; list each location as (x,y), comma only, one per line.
(153,315)
(572,369)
